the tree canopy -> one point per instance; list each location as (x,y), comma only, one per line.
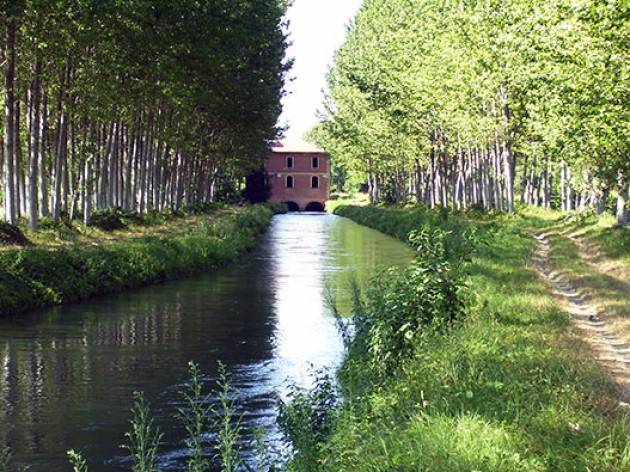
(458,102)
(140,104)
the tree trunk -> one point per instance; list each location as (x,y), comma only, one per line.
(563,185)
(87,189)
(35,125)
(41,160)
(10,213)
(20,184)
(62,143)
(507,154)
(507,170)
(602,197)
(622,200)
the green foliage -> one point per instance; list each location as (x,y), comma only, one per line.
(402,307)
(277,208)
(258,187)
(195,416)
(230,431)
(504,389)
(5,458)
(419,79)
(307,419)
(12,235)
(77,461)
(36,277)
(144,437)
(46,223)
(108,220)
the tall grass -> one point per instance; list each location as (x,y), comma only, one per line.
(195,416)
(144,438)
(228,451)
(307,419)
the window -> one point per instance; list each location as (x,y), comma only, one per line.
(315,162)
(314,182)
(289,181)
(289,162)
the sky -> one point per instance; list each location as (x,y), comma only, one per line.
(317,29)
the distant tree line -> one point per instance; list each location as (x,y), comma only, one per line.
(138,104)
(485,102)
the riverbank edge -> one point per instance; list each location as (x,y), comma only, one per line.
(36,277)
(469,402)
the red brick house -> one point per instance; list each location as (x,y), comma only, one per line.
(299,174)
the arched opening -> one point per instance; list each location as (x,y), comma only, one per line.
(314,206)
(292,206)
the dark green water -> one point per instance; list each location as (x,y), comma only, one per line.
(67,375)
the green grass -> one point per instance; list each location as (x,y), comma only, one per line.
(339,199)
(36,277)
(509,389)
(601,230)
(593,255)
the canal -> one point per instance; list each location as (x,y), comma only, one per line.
(67,375)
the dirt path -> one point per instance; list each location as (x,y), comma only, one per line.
(610,350)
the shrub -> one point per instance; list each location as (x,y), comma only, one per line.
(12,235)
(46,223)
(307,420)
(108,220)
(401,306)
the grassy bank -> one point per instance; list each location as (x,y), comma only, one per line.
(507,387)
(45,275)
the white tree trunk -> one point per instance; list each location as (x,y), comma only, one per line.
(10,213)
(622,200)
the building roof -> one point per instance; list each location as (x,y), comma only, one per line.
(296,146)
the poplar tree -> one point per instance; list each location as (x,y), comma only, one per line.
(482,103)
(138,104)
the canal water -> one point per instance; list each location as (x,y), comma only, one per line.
(67,375)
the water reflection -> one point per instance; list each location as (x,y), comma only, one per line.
(67,375)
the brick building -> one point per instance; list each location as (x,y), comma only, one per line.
(299,174)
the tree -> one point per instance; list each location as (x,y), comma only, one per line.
(477,103)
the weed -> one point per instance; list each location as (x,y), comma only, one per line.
(77,461)
(307,419)
(194,415)
(144,437)
(230,431)
(5,459)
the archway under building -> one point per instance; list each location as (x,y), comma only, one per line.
(314,206)
(292,206)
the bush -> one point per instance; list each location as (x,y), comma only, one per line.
(307,420)
(402,306)
(12,235)
(46,223)
(108,220)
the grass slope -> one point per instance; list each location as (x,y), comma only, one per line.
(509,389)
(36,277)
